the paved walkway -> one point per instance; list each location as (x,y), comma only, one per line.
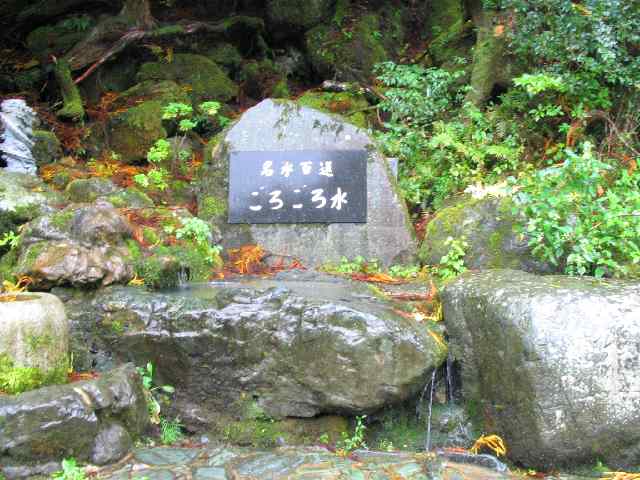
(225,463)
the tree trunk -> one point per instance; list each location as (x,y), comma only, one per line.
(72,108)
(489,60)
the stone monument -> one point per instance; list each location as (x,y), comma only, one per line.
(305,184)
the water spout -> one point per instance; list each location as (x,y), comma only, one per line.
(433,387)
(183,278)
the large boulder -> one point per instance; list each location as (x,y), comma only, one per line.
(297,15)
(93,421)
(299,345)
(489,226)
(350,54)
(22,198)
(550,363)
(81,245)
(34,341)
(206,80)
(387,234)
(131,132)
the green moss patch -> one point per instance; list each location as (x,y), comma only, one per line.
(16,379)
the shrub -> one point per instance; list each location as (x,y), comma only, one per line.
(583,215)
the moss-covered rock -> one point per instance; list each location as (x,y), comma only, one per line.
(133,132)
(489,227)
(263,78)
(350,52)
(59,38)
(207,80)
(351,106)
(46,148)
(88,190)
(226,55)
(293,16)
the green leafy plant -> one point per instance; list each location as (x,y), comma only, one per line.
(582,215)
(350,442)
(11,239)
(199,231)
(170,431)
(150,390)
(357,265)
(452,263)
(441,154)
(70,471)
(404,271)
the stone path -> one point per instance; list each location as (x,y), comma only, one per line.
(225,463)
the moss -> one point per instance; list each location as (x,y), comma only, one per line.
(226,55)
(61,179)
(351,53)
(134,249)
(263,78)
(16,379)
(54,39)
(159,270)
(131,198)
(212,208)
(36,341)
(348,105)
(7,265)
(31,255)
(150,236)
(298,14)
(62,220)
(206,79)
(46,148)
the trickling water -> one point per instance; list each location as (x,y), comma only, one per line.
(433,387)
(448,368)
(183,278)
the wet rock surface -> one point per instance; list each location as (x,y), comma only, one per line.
(221,463)
(93,420)
(82,245)
(299,344)
(551,363)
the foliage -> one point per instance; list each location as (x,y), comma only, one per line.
(70,471)
(440,156)
(350,442)
(151,390)
(200,232)
(170,431)
(452,263)
(583,214)
(358,265)
(598,38)
(492,442)
(164,153)
(11,239)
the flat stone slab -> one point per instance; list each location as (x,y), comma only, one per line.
(227,463)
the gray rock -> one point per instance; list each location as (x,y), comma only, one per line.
(285,126)
(52,423)
(22,198)
(46,147)
(550,363)
(489,227)
(111,444)
(82,245)
(17,121)
(298,345)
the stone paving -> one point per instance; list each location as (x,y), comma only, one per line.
(225,463)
